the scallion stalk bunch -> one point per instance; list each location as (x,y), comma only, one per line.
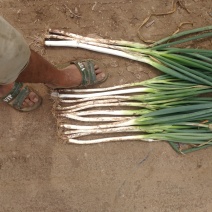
(164,109)
(167,55)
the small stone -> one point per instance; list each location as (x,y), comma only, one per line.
(76,10)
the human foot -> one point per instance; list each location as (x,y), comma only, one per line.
(39,70)
(80,73)
(19,97)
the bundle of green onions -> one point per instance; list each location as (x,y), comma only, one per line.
(190,64)
(163,109)
(166,108)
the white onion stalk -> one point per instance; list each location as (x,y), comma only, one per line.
(94,90)
(101,126)
(95,119)
(81,133)
(88,103)
(113,112)
(68,35)
(75,101)
(92,43)
(91,95)
(118,104)
(77,44)
(111,139)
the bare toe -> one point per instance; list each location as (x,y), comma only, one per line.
(98,71)
(96,67)
(33,97)
(30,100)
(100,76)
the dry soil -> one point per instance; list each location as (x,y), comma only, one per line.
(40,173)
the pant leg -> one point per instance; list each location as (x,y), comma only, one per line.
(14,53)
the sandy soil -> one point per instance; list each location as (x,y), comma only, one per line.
(40,173)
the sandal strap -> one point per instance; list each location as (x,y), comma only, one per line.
(92,72)
(21,97)
(88,72)
(13,94)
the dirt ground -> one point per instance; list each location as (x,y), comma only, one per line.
(40,173)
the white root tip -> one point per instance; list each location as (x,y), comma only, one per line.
(54,94)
